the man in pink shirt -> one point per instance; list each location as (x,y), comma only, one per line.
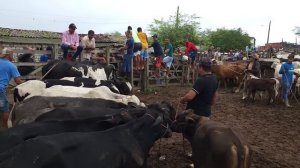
(70,40)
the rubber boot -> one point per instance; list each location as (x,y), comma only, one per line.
(287,104)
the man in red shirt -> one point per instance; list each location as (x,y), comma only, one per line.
(190,51)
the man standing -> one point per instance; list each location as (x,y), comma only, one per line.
(169,56)
(204,92)
(158,54)
(126,66)
(190,51)
(70,40)
(8,71)
(137,47)
(88,44)
(287,71)
(144,40)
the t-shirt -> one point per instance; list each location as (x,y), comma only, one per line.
(86,42)
(129,44)
(205,87)
(287,71)
(170,47)
(189,47)
(135,37)
(157,49)
(7,71)
(143,37)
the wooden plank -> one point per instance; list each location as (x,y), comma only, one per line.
(30,63)
(33,52)
(35,71)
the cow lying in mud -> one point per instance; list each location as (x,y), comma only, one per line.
(213,144)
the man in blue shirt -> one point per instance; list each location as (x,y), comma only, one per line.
(158,54)
(8,71)
(287,71)
(126,67)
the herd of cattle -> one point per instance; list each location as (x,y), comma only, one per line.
(84,116)
(226,71)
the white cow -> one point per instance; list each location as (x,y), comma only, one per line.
(38,88)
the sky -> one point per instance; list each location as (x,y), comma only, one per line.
(108,16)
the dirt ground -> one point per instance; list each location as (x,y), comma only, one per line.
(272,131)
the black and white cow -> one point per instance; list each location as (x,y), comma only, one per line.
(68,119)
(28,110)
(125,146)
(76,69)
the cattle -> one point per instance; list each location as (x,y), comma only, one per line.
(125,146)
(269,85)
(85,120)
(58,69)
(25,70)
(214,145)
(229,71)
(28,110)
(38,88)
(116,85)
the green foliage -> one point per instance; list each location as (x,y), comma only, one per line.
(229,39)
(177,29)
(115,33)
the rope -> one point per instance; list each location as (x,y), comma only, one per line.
(50,70)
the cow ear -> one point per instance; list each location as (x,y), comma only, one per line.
(157,121)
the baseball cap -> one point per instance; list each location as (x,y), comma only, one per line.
(205,62)
(5,51)
(72,25)
(155,35)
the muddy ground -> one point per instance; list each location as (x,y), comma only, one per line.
(272,131)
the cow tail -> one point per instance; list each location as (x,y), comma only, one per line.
(276,86)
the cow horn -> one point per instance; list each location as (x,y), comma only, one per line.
(157,121)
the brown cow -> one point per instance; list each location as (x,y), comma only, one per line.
(229,71)
(269,85)
(213,144)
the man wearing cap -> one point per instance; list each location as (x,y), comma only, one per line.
(158,54)
(137,47)
(287,71)
(88,44)
(70,40)
(8,71)
(204,92)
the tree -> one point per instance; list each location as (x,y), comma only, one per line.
(229,39)
(115,33)
(297,31)
(177,28)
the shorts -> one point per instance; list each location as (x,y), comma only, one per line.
(158,61)
(144,54)
(192,55)
(168,61)
(4,107)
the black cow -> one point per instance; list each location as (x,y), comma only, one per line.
(29,109)
(65,68)
(25,70)
(88,121)
(213,144)
(125,146)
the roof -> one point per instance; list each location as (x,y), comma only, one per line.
(47,37)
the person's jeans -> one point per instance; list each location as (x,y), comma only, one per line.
(126,67)
(66,47)
(286,85)
(4,106)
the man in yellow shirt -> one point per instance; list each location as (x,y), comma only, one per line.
(144,40)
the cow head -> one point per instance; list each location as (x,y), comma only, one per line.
(187,122)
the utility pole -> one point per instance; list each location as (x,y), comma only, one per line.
(269,32)
(177,18)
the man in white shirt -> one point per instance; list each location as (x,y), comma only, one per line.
(88,44)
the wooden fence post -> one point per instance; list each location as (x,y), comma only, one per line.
(107,54)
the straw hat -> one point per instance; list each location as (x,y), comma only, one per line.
(5,51)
